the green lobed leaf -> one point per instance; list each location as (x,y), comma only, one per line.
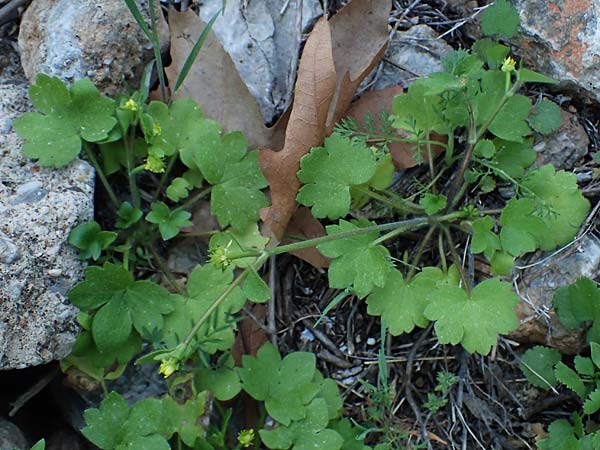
(356,262)
(545,117)
(306,434)
(577,304)
(537,364)
(286,385)
(509,124)
(484,239)
(568,207)
(500,18)
(475,320)
(205,285)
(255,289)
(237,198)
(90,239)
(178,128)
(54,135)
(330,171)
(169,222)
(122,303)
(402,304)
(178,189)
(433,203)
(128,215)
(223,381)
(513,158)
(103,424)
(183,418)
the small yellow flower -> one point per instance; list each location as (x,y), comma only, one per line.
(156,129)
(168,367)
(508,65)
(154,164)
(246,437)
(131,104)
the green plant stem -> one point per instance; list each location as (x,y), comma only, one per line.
(397,227)
(199,196)
(456,259)
(415,262)
(133,187)
(111,194)
(453,191)
(404,225)
(237,282)
(402,205)
(164,177)
(165,270)
(442,252)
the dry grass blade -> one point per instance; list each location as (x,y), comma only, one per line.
(214,82)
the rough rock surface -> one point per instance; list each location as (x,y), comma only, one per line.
(538,321)
(559,38)
(264,44)
(38,209)
(565,147)
(98,39)
(411,54)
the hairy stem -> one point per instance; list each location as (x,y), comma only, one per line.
(401,205)
(237,282)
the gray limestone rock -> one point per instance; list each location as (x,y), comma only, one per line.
(565,147)
(263,39)
(98,39)
(411,54)
(559,38)
(538,321)
(38,209)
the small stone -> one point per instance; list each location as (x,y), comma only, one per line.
(11,436)
(538,321)
(371,341)
(411,54)
(565,147)
(9,252)
(98,39)
(55,272)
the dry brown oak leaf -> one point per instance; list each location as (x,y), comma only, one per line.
(215,84)
(336,58)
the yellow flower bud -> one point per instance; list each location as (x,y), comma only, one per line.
(131,104)
(154,164)
(246,437)
(508,65)
(168,367)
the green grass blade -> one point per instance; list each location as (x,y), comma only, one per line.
(145,81)
(137,15)
(195,50)
(157,55)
